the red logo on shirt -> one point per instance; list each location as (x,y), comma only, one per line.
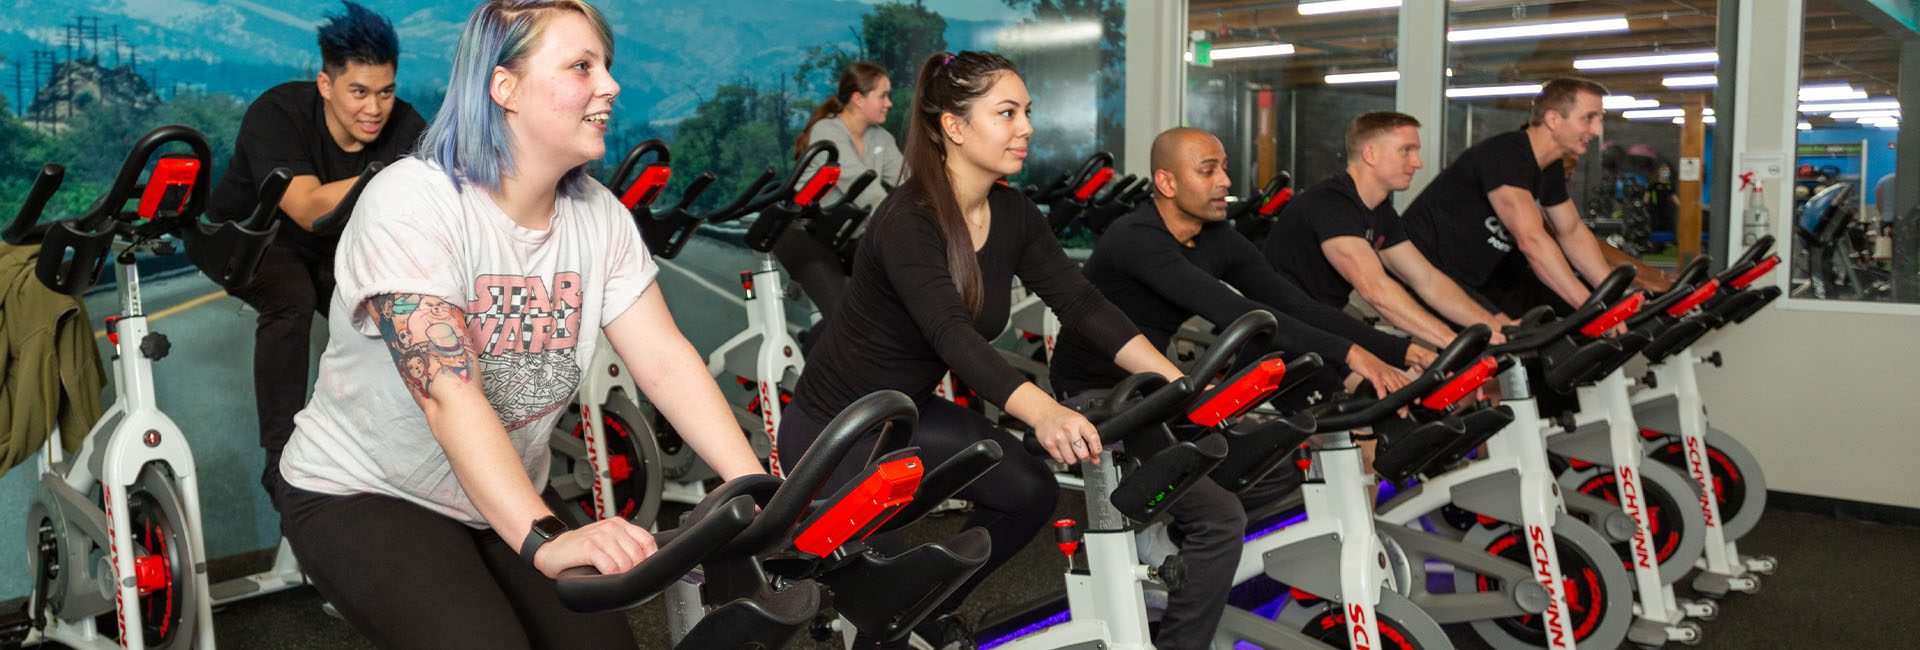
(512,314)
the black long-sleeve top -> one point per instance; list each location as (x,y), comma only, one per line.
(1160,283)
(903,324)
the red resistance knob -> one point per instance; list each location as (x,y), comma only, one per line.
(1066,536)
(113,330)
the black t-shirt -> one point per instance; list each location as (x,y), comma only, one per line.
(904,324)
(1453,221)
(1160,284)
(286,127)
(1329,209)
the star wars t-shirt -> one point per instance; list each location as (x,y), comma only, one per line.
(535,301)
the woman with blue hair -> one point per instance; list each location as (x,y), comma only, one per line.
(472,281)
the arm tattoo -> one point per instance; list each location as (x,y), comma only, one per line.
(427,337)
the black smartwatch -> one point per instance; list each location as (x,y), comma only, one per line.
(543,530)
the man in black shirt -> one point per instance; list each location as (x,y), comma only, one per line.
(1498,220)
(1169,261)
(325,132)
(1343,234)
(1176,258)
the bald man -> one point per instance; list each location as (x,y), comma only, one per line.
(1173,259)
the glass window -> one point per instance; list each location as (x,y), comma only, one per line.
(1653,60)
(1285,81)
(1849,117)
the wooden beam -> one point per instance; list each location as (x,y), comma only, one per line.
(1693,147)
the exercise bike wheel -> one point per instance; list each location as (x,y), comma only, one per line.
(1598,590)
(163,560)
(1401,624)
(1679,530)
(1740,487)
(634,461)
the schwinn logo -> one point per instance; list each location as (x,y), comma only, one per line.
(1630,500)
(1697,464)
(1547,572)
(1357,627)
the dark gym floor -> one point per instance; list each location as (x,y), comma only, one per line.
(1841,584)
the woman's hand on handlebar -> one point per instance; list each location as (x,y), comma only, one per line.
(1068,436)
(1384,377)
(610,546)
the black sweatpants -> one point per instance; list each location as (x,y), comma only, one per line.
(1012,501)
(293,283)
(407,577)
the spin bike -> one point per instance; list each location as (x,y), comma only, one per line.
(1515,509)
(1336,565)
(765,583)
(1105,577)
(113,532)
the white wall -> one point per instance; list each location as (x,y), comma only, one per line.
(1828,402)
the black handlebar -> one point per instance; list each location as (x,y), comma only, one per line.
(623,174)
(584,589)
(335,220)
(739,206)
(25,222)
(853,190)
(272,188)
(787,188)
(1467,347)
(1253,330)
(1538,329)
(890,410)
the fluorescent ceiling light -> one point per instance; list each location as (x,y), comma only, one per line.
(1705,119)
(1384,76)
(1343,6)
(1623,102)
(1863,115)
(1252,51)
(1538,30)
(1881,105)
(1804,126)
(1654,114)
(1646,60)
(1691,81)
(1507,90)
(1830,92)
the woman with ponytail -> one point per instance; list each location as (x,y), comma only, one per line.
(851,119)
(931,286)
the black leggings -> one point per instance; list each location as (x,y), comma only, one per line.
(292,284)
(1012,501)
(814,267)
(408,577)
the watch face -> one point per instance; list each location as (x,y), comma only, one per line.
(549,526)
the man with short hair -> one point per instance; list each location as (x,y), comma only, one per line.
(325,132)
(1175,258)
(1342,234)
(1499,221)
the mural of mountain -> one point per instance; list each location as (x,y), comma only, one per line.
(669,54)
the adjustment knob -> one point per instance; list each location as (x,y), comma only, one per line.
(155,346)
(1713,358)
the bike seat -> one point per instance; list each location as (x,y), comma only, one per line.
(887,596)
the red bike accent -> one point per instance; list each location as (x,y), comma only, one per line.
(1694,299)
(1754,273)
(1240,394)
(1614,315)
(1065,537)
(646,188)
(817,185)
(169,185)
(873,498)
(1279,200)
(1461,385)
(1094,184)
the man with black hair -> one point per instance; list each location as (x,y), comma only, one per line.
(1499,220)
(325,132)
